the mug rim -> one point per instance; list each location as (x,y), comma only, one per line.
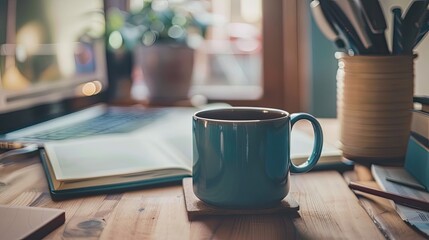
(284,114)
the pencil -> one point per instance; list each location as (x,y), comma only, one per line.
(11,145)
(406,201)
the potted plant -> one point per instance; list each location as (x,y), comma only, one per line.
(162,37)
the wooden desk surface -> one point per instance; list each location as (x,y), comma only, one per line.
(328,210)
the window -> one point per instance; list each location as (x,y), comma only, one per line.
(271,76)
(250,53)
(229,63)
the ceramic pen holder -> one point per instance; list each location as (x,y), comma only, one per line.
(374,98)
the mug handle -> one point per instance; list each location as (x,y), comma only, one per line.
(317,145)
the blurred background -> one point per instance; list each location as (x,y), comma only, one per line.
(240,60)
(244,52)
(228,59)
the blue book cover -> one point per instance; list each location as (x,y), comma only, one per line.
(110,163)
(58,194)
(417,161)
(420,126)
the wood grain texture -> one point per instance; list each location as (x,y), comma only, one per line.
(381,210)
(160,213)
(328,209)
(15,178)
(196,208)
(326,197)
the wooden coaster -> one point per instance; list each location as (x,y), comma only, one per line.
(197,208)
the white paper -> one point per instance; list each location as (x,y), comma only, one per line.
(110,155)
(302,147)
(415,217)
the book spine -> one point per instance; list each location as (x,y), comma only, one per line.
(423,101)
(417,161)
(420,124)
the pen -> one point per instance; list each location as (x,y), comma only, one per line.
(373,14)
(345,26)
(375,25)
(406,201)
(11,145)
(352,13)
(23,150)
(324,24)
(397,33)
(423,30)
(410,185)
(412,23)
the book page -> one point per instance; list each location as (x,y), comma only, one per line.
(122,154)
(109,155)
(302,147)
(415,217)
(111,180)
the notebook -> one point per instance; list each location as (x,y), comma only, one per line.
(29,222)
(112,163)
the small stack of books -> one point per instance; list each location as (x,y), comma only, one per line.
(417,157)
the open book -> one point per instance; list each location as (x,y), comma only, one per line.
(121,162)
(330,159)
(109,163)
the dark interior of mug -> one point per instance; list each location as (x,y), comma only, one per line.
(242,114)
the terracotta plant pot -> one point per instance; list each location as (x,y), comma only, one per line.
(167,71)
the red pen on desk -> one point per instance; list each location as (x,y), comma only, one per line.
(406,201)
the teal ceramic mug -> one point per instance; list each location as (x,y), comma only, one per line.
(241,155)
